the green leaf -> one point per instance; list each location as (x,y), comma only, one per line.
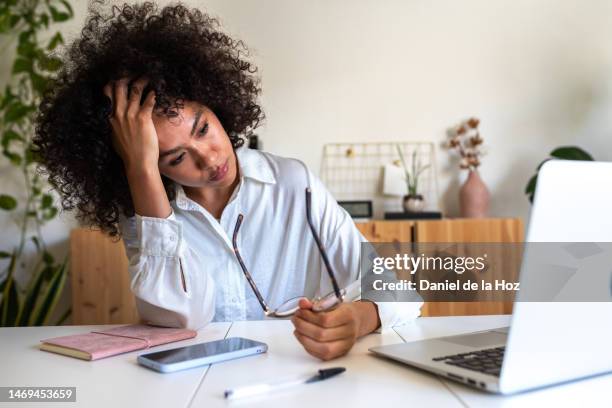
(5,304)
(47,258)
(563,152)
(7,98)
(531,186)
(13,157)
(8,136)
(16,112)
(5,23)
(24,36)
(63,318)
(7,202)
(50,63)
(51,296)
(48,272)
(10,305)
(4,254)
(34,155)
(58,16)
(50,214)
(68,7)
(571,153)
(56,40)
(22,65)
(44,19)
(39,83)
(542,163)
(36,242)
(26,48)
(30,158)
(47,200)
(32,295)
(14,20)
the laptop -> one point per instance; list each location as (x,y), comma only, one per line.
(547,342)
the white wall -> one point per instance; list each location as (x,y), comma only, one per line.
(538,73)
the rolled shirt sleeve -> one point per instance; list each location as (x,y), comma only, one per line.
(171,285)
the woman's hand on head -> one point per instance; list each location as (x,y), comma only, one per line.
(134,136)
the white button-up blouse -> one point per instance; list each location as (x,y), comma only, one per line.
(183,269)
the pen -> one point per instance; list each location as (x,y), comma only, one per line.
(264,388)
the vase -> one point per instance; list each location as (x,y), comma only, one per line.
(413,203)
(474,197)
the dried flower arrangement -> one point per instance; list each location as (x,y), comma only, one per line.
(466,139)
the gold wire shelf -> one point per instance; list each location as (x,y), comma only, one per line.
(354,171)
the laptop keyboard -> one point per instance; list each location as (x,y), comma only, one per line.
(487,361)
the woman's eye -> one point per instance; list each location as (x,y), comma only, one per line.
(204,129)
(177,160)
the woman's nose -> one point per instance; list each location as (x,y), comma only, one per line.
(205,158)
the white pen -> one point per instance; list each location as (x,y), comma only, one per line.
(264,388)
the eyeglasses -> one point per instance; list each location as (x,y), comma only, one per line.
(289,307)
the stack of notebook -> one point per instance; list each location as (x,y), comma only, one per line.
(105,343)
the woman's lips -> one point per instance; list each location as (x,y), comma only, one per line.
(221,172)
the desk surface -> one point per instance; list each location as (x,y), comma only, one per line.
(121,381)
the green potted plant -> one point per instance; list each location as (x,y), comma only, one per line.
(563,153)
(33,67)
(413,201)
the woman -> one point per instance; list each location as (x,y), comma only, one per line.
(142,133)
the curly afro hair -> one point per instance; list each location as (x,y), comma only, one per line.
(186,58)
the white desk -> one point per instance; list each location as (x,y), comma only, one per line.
(367,379)
(112,382)
(120,381)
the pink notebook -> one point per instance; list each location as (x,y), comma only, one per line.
(123,339)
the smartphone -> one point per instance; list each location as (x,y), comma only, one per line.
(201,354)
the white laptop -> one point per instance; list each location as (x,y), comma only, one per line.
(547,342)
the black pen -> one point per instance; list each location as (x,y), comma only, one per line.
(264,388)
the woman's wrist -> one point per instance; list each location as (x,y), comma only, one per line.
(369,319)
(148,192)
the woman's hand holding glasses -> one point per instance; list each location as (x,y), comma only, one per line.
(331,334)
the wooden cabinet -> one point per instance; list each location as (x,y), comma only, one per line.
(99,278)
(100,282)
(387,231)
(451,230)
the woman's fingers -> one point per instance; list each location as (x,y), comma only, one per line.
(332,318)
(322,334)
(108,91)
(305,303)
(149,103)
(135,96)
(120,97)
(324,351)
(134,136)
